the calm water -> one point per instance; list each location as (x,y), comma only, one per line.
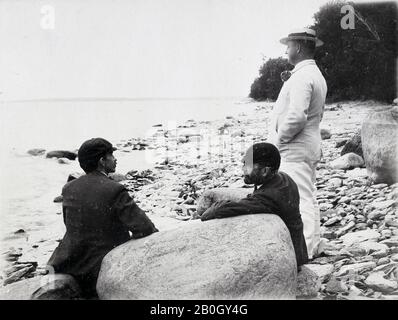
(29,184)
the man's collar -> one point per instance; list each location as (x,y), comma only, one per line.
(102,172)
(271,180)
(303,63)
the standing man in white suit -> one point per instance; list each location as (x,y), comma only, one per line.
(294,126)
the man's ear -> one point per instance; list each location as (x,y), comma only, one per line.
(263,171)
(298,48)
(266,171)
(101,162)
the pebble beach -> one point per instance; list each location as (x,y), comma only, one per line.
(359,222)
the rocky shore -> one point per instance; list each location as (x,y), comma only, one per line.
(359,221)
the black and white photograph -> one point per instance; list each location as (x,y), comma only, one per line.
(208,151)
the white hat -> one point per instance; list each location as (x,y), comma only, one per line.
(302,34)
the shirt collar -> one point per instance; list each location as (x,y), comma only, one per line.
(102,172)
(303,63)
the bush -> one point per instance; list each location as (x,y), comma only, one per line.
(269,83)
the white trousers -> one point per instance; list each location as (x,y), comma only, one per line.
(303,174)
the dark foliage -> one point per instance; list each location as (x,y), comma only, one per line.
(357,63)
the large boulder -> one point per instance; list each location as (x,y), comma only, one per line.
(62,154)
(210,196)
(380,145)
(49,287)
(353,145)
(244,257)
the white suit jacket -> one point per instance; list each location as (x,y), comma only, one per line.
(297,113)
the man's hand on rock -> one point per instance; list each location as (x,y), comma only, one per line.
(208,214)
(147,232)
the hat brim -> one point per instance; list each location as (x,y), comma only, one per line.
(318,42)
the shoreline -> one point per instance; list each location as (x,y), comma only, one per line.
(201,155)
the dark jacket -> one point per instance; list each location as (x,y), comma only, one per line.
(279,196)
(98,214)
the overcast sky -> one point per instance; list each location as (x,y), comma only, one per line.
(141,48)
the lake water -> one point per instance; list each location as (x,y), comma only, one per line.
(29,184)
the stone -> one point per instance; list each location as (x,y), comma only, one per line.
(380,146)
(380,205)
(57,287)
(377,282)
(383,261)
(58,199)
(205,260)
(208,197)
(117,176)
(62,154)
(335,182)
(353,145)
(371,246)
(392,242)
(237,133)
(19,274)
(36,152)
(359,236)
(335,286)
(345,229)
(395,102)
(325,206)
(322,271)
(357,173)
(341,143)
(188,133)
(51,287)
(63,161)
(394,257)
(182,139)
(386,233)
(374,215)
(74,175)
(391,222)
(332,221)
(347,161)
(325,134)
(308,283)
(356,268)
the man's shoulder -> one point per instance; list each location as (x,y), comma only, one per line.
(94,181)
(288,181)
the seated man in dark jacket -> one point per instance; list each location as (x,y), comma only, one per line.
(99,215)
(277,194)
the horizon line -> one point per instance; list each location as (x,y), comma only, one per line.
(82,99)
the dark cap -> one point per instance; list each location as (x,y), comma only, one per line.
(264,153)
(91,151)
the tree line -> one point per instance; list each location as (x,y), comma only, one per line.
(358,63)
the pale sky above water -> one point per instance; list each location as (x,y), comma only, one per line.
(142,48)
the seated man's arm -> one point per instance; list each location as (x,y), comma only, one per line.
(133,217)
(255,203)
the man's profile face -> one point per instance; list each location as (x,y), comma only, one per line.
(292,52)
(250,170)
(110,163)
(247,171)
